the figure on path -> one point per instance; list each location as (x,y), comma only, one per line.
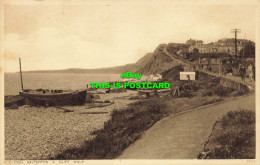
(253,70)
(242,72)
(250,72)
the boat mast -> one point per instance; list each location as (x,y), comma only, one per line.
(21,75)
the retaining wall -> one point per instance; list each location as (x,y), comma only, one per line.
(224,81)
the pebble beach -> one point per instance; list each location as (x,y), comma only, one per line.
(41,132)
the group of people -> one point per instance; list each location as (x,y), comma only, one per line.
(229,71)
(251,72)
(241,70)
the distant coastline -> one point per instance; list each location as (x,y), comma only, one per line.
(108,70)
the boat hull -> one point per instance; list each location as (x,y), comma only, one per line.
(14,100)
(55,99)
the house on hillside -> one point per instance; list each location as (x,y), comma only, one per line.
(184,52)
(215,64)
(193,42)
(225,45)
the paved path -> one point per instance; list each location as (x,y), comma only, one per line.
(182,136)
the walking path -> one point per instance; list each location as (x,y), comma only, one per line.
(233,78)
(238,79)
(182,136)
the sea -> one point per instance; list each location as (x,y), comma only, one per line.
(53,81)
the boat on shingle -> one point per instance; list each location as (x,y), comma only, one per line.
(47,97)
(14,100)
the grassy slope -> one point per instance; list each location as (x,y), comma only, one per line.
(233,137)
(124,128)
(128,124)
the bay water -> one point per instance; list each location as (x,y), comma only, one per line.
(53,81)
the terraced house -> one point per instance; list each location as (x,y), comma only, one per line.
(225,45)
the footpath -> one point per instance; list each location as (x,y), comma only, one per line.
(182,136)
(247,81)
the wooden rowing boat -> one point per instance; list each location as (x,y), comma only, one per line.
(54,97)
(14,100)
(47,97)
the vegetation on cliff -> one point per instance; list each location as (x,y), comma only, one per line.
(128,124)
(172,74)
(125,126)
(233,137)
(157,63)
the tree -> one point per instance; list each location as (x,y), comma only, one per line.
(248,50)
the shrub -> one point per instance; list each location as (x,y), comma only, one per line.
(215,80)
(235,138)
(207,93)
(222,91)
(125,126)
(239,118)
(186,94)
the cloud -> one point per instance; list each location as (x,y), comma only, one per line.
(45,49)
(59,37)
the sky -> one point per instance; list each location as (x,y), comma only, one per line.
(107,34)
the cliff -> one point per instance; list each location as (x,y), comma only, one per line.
(151,63)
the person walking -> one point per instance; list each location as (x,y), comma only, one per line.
(253,70)
(250,72)
(230,72)
(242,72)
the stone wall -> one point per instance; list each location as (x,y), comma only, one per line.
(233,84)
(224,81)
